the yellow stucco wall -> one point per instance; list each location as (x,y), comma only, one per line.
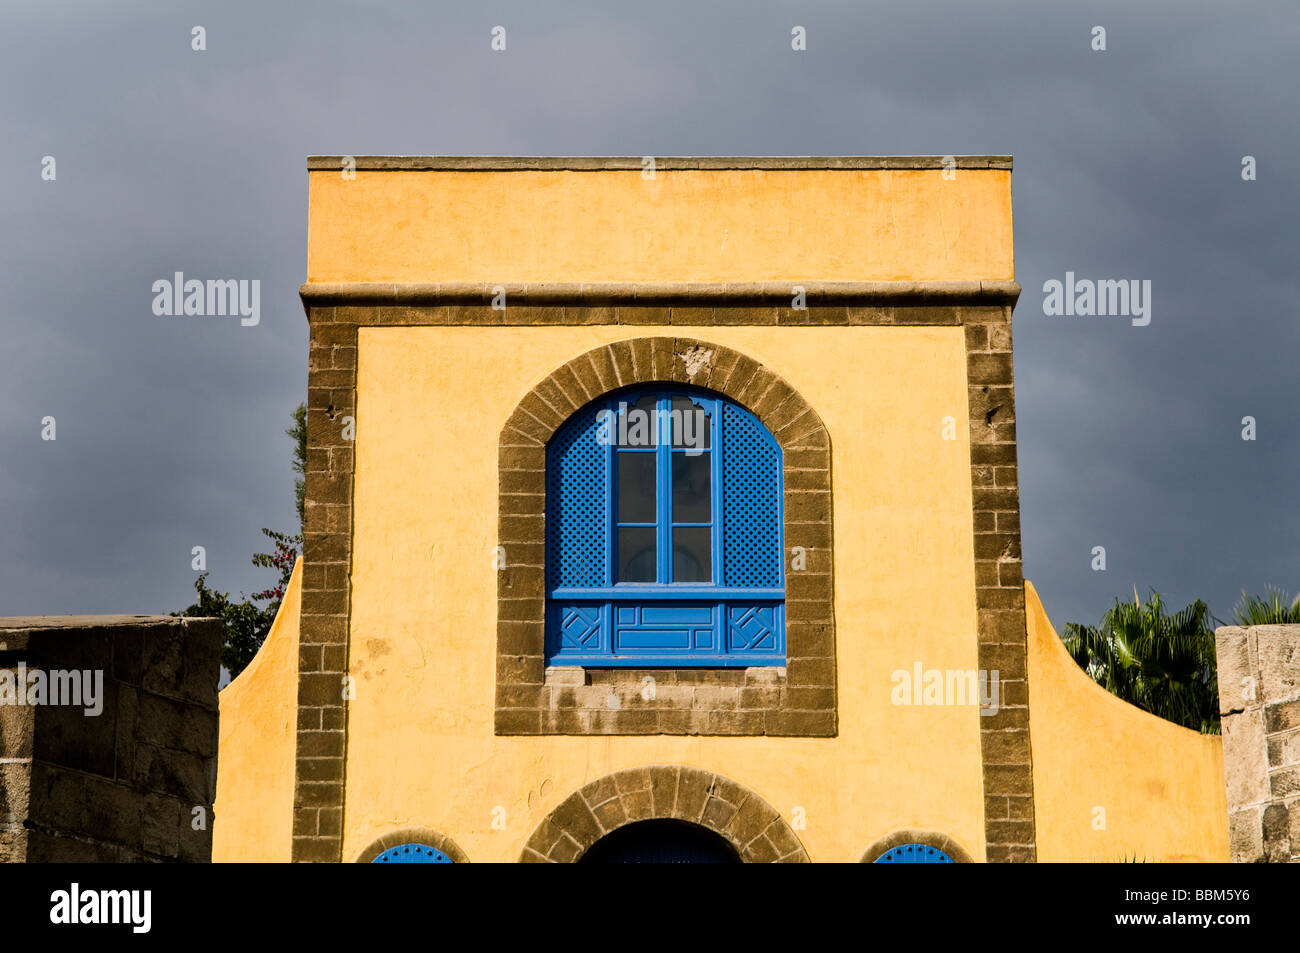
(253,813)
(1160,785)
(733,225)
(421,749)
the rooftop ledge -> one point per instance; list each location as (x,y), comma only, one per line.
(16,631)
(662,163)
(325,293)
(24,622)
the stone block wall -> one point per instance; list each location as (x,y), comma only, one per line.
(1259,700)
(116,773)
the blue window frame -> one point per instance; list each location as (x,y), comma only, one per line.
(664,534)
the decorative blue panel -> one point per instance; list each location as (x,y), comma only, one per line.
(581,628)
(751,502)
(664,632)
(577,508)
(913,854)
(666,627)
(754,628)
(412,854)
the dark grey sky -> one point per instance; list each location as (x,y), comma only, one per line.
(170,433)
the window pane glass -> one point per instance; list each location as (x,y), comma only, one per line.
(637,423)
(690,424)
(636,487)
(636,554)
(691,488)
(692,560)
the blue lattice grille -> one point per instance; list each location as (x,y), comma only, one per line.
(577,511)
(751,502)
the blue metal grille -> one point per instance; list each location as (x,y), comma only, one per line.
(412,854)
(577,530)
(914,854)
(751,502)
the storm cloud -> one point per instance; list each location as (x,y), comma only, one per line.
(1128,167)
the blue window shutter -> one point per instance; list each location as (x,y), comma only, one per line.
(913,854)
(751,502)
(412,854)
(577,504)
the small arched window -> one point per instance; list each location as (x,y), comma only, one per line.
(412,854)
(913,854)
(663,527)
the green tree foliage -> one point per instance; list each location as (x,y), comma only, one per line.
(1273,608)
(1162,663)
(299,434)
(248,619)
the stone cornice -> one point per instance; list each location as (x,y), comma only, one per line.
(662,163)
(327,294)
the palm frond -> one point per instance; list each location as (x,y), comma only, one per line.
(1275,607)
(1163,663)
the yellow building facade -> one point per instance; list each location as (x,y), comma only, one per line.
(857,314)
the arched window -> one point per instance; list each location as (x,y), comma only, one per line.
(663,523)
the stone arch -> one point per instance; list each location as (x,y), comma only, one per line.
(524,703)
(414,835)
(664,791)
(933,839)
(679,360)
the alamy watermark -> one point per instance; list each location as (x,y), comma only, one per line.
(641,427)
(84,689)
(133,908)
(947,687)
(1127,298)
(212,298)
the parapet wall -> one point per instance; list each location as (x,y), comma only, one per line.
(108,738)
